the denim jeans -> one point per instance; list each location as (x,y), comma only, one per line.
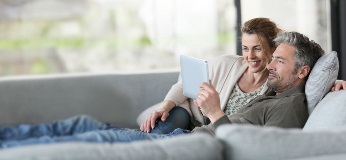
(178,118)
(84,129)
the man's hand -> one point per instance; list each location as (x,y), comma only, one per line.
(339,85)
(161,113)
(208,102)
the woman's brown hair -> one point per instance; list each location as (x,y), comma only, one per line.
(265,29)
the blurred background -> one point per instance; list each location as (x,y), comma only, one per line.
(70,36)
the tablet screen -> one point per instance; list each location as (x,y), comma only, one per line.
(194,72)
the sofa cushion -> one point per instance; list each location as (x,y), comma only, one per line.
(321,79)
(272,143)
(193,147)
(329,113)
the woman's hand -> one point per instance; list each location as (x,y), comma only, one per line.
(339,85)
(208,102)
(162,112)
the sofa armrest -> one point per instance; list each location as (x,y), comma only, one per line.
(272,143)
(329,113)
(112,97)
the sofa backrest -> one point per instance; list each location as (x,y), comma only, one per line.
(114,98)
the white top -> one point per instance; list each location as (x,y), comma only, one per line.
(239,99)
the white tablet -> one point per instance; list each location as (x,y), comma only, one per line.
(194,72)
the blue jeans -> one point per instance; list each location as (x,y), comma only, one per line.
(178,118)
(81,128)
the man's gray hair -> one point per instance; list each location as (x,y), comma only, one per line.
(307,51)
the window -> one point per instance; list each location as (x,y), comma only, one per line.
(66,36)
(309,17)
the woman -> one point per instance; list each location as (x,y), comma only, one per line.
(237,80)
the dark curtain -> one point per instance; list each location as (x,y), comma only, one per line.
(338,28)
(239,24)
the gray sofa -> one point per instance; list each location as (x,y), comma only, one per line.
(120,98)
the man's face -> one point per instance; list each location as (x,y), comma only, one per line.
(282,73)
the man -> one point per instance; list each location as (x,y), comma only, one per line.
(285,106)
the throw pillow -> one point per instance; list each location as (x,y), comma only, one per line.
(321,79)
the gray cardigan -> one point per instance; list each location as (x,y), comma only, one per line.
(287,110)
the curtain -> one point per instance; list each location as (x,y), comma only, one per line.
(338,28)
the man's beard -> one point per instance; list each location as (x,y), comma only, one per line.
(280,86)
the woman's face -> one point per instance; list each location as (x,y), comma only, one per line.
(255,55)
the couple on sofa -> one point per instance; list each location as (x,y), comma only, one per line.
(274,62)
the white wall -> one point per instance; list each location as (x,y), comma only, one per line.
(308,17)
